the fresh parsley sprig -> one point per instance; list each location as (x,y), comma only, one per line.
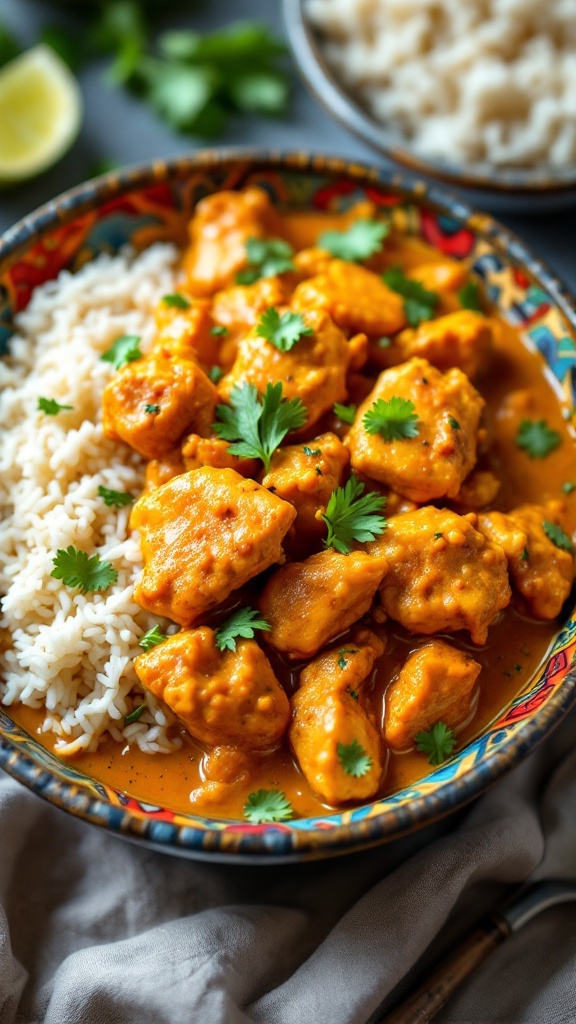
(266,257)
(267,805)
(285,331)
(152,638)
(394,420)
(241,623)
(350,517)
(258,424)
(353,759)
(419,303)
(361,240)
(51,407)
(537,438)
(76,569)
(557,536)
(115,499)
(438,742)
(126,349)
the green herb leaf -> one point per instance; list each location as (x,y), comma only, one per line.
(285,331)
(453,423)
(469,296)
(267,805)
(121,31)
(353,759)
(215,373)
(557,536)
(419,303)
(359,242)
(124,350)
(384,342)
(537,438)
(568,487)
(241,623)
(438,742)
(266,257)
(51,407)
(342,663)
(352,693)
(394,420)
(311,451)
(176,300)
(256,424)
(350,517)
(219,331)
(346,413)
(76,569)
(151,409)
(116,499)
(152,638)
(135,715)
(525,555)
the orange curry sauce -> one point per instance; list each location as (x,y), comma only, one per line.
(516,644)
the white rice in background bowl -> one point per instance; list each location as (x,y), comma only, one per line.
(462,80)
(68,652)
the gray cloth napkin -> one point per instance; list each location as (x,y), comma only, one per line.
(94,930)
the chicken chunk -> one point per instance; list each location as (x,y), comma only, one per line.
(462,340)
(221,697)
(160,471)
(185,333)
(151,403)
(356,299)
(439,275)
(436,684)
(541,571)
(204,534)
(308,603)
(435,462)
(221,226)
(478,490)
(314,370)
(305,475)
(239,308)
(213,451)
(328,714)
(443,574)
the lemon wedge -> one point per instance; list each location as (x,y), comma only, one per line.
(40,113)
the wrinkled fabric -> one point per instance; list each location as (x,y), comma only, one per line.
(94,930)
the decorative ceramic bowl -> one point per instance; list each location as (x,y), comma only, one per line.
(529,189)
(144,204)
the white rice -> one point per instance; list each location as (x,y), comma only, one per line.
(71,653)
(463,80)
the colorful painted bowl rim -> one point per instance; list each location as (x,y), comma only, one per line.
(341,105)
(272,844)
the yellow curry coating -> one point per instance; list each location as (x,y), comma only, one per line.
(375,309)
(327,711)
(222,697)
(199,451)
(204,534)
(184,334)
(436,684)
(435,462)
(462,339)
(443,575)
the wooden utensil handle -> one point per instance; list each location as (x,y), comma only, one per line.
(423,1004)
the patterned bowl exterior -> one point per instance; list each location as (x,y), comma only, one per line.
(141,205)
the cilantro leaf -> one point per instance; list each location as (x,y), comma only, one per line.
(557,536)
(438,742)
(215,373)
(219,331)
(353,759)
(350,517)
(51,407)
(346,413)
(359,242)
(75,569)
(241,623)
(393,420)
(152,409)
(568,487)
(311,451)
(115,498)
(135,714)
(266,257)
(342,663)
(124,350)
(537,438)
(257,425)
(267,805)
(469,296)
(153,637)
(419,303)
(176,300)
(285,331)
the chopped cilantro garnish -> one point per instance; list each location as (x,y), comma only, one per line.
(353,759)
(352,693)
(342,663)
(51,407)
(438,742)
(557,536)
(219,331)
(152,638)
(537,438)
(394,420)
(525,555)
(350,517)
(346,413)
(152,409)
(135,715)
(285,331)
(419,303)
(384,342)
(267,805)
(257,425)
(266,258)
(568,487)
(453,423)
(311,451)
(76,569)
(115,498)
(124,350)
(176,300)
(359,242)
(438,535)
(469,296)
(215,373)
(241,623)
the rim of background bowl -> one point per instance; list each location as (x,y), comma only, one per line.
(332,96)
(269,843)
